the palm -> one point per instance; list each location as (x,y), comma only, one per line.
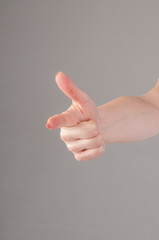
(82,108)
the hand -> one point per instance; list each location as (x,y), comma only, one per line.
(80,123)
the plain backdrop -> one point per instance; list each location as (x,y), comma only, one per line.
(109,49)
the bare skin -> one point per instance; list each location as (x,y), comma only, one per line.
(86,129)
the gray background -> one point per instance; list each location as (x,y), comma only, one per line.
(109,49)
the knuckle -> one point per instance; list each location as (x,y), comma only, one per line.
(70,147)
(78,156)
(63,135)
(101,149)
(93,129)
(99,140)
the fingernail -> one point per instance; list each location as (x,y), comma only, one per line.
(58,73)
(48,125)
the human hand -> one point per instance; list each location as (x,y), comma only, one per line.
(80,123)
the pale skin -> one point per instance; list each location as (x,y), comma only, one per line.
(86,128)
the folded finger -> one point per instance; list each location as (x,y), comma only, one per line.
(89,154)
(83,130)
(83,144)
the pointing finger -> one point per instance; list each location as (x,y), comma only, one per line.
(65,119)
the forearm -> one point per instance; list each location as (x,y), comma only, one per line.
(128,119)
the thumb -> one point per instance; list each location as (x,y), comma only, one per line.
(70,89)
